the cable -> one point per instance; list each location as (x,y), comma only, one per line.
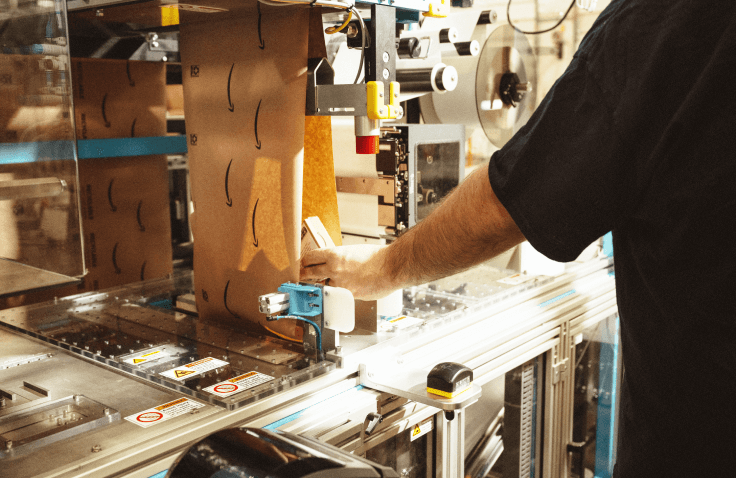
(333,4)
(333,30)
(313,324)
(508,18)
(362,43)
(285,337)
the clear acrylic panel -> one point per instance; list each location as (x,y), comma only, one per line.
(597,378)
(40,234)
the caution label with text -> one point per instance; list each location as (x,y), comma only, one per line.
(185,372)
(238,384)
(422,428)
(164,412)
(143,358)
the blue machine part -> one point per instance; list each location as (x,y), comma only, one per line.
(119,147)
(162,304)
(606,420)
(13,153)
(406,16)
(304,300)
(608,244)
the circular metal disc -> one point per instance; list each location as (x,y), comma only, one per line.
(505,50)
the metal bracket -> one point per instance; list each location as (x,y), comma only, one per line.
(412,384)
(559,371)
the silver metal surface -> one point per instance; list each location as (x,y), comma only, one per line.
(30,429)
(96,387)
(31,188)
(341,100)
(17,278)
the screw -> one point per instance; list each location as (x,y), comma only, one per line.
(96,449)
(100,13)
(385,73)
(385,56)
(430,159)
(9,444)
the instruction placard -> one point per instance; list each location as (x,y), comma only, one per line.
(145,357)
(161,413)
(185,372)
(422,428)
(400,322)
(238,384)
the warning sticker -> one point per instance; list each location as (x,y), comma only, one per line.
(139,359)
(515,279)
(238,384)
(159,414)
(422,429)
(400,322)
(184,372)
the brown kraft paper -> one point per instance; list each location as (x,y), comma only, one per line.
(244,84)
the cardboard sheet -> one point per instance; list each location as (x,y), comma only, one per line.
(319,196)
(244,84)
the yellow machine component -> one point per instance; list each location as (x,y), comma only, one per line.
(449,379)
(438,9)
(169,16)
(377,109)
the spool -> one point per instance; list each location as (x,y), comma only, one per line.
(476,102)
(440,79)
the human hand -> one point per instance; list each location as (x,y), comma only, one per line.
(360,269)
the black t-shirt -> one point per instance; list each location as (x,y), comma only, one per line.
(638,136)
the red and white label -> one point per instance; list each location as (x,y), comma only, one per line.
(238,384)
(164,412)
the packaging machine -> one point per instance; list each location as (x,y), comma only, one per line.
(131,369)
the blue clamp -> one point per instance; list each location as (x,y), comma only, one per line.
(304,300)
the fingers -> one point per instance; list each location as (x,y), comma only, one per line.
(316,257)
(314,273)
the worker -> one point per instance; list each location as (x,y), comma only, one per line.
(638,136)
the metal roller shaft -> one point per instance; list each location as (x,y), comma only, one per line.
(441,78)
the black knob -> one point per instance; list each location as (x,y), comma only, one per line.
(409,48)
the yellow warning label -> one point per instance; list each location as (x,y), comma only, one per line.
(194,364)
(171,404)
(151,353)
(397,319)
(139,360)
(245,375)
(183,373)
(417,431)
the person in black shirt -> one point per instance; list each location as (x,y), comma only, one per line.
(638,136)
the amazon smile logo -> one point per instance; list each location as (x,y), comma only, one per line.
(231,106)
(104,113)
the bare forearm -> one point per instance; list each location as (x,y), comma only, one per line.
(469,227)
